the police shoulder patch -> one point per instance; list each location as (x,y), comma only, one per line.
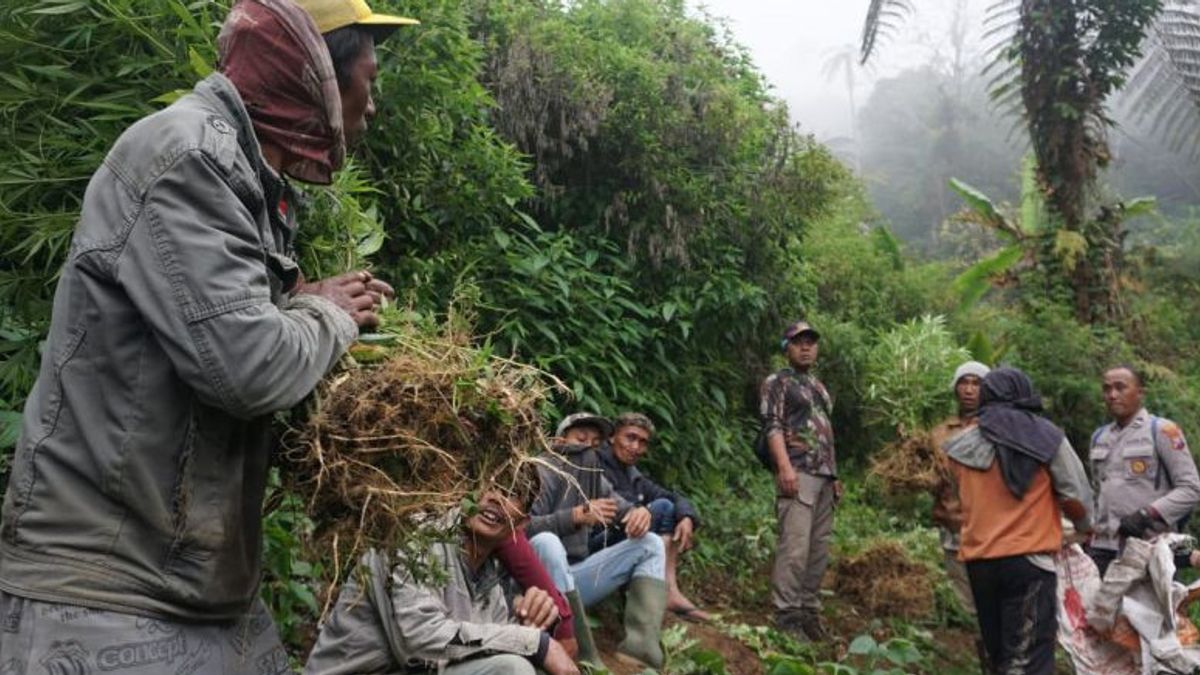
(1174,435)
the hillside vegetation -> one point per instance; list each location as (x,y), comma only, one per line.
(610,191)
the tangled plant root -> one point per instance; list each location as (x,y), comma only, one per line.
(908,465)
(390,446)
(883,581)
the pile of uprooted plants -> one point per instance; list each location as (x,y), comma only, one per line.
(909,465)
(413,427)
(884,581)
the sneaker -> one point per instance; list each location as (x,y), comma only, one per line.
(792,626)
(811,623)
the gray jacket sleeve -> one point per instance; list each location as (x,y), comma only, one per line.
(1176,459)
(429,634)
(544,515)
(193,265)
(624,506)
(1072,487)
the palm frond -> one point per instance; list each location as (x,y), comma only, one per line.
(1163,93)
(883,16)
(1002,23)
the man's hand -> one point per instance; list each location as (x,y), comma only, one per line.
(786,481)
(637,522)
(358,293)
(839,490)
(595,512)
(1142,524)
(683,534)
(535,608)
(558,662)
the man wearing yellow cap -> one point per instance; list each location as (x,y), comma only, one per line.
(130,536)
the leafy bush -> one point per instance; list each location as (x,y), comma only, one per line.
(908,371)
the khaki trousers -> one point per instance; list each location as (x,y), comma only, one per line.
(956,571)
(802,554)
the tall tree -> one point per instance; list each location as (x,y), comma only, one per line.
(1064,61)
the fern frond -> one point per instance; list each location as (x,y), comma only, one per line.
(883,16)
(1163,93)
(1002,22)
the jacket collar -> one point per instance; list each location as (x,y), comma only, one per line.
(1139,420)
(221,92)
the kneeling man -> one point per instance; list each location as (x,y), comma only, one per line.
(461,624)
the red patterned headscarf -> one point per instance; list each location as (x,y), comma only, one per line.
(278,61)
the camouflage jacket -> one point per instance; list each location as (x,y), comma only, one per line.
(798,406)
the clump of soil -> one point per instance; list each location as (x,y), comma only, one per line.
(884,581)
(413,434)
(908,465)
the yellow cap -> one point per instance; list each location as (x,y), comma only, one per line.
(331,15)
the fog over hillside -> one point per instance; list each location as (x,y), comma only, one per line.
(920,113)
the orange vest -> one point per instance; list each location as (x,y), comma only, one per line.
(998,525)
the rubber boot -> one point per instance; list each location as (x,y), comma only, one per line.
(645,603)
(583,632)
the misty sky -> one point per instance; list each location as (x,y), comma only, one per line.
(790,40)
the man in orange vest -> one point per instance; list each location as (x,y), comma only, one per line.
(1017,476)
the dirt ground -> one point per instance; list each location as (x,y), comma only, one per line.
(953,651)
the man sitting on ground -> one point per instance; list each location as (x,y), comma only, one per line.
(574,498)
(672,516)
(462,626)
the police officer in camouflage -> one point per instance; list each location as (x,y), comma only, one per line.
(1143,474)
(795,408)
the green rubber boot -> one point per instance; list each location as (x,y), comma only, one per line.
(645,603)
(583,632)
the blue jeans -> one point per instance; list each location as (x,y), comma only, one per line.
(598,575)
(662,521)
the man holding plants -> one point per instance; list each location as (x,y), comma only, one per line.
(130,538)
(795,409)
(947,511)
(1142,470)
(672,516)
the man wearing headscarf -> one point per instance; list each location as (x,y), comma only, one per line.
(130,539)
(1016,476)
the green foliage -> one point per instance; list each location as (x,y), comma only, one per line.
(891,657)
(907,373)
(76,73)
(289,586)
(685,657)
(340,231)
(976,280)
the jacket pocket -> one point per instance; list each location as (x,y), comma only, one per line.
(1139,463)
(47,410)
(217,506)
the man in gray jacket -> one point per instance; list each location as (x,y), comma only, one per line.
(1144,474)
(130,536)
(574,498)
(460,625)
